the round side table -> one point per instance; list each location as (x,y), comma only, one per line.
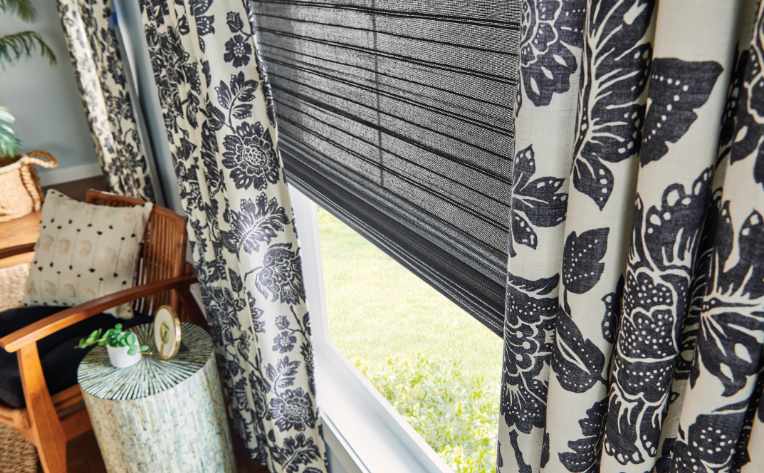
(159,416)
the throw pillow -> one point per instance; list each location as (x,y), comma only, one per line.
(85,251)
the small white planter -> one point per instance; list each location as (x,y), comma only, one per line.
(119,357)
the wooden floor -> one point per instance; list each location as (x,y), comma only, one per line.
(82,453)
(77,189)
(84,457)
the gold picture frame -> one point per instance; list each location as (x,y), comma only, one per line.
(167,332)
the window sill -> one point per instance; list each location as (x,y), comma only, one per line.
(363,431)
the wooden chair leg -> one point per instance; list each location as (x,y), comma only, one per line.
(47,431)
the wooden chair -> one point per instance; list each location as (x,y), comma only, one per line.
(50,420)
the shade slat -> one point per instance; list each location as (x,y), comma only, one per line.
(397,116)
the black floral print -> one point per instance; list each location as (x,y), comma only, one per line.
(688,339)
(257,223)
(282,322)
(614,73)
(550,28)
(678,88)
(293,410)
(258,322)
(238,50)
(583,456)
(650,365)
(280,277)
(172,58)
(728,329)
(535,202)
(657,282)
(284,342)
(612,311)
(250,155)
(205,24)
(750,121)
(576,361)
(527,330)
(98,64)
(581,267)
(732,314)
(296,452)
(243,239)
(234,22)
(551,34)
(707,445)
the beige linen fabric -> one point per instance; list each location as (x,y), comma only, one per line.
(85,251)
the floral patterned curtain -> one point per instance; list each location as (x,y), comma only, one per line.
(223,139)
(635,297)
(97,61)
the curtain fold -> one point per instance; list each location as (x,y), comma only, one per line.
(612,98)
(633,330)
(243,241)
(546,100)
(95,55)
(755,456)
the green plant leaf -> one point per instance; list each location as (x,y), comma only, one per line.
(447,405)
(21,8)
(123,339)
(91,340)
(9,142)
(22,44)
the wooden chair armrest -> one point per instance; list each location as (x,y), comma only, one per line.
(16,250)
(68,317)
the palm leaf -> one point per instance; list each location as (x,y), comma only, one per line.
(9,143)
(22,8)
(17,45)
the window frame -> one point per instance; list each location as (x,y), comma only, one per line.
(364,432)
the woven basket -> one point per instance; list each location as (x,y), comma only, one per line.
(13,281)
(16,454)
(20,192)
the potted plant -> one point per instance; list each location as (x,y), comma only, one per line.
(123,346)
(20,188)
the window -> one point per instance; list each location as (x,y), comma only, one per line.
(398,114)
(437,366)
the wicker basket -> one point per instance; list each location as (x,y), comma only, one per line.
(20,192)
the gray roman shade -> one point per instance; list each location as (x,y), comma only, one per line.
(397,116)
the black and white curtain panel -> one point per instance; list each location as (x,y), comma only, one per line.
(97,62)
(634,326)
(244,246)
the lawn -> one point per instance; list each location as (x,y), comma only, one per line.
(436,364)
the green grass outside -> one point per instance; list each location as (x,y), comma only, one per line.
(436,364)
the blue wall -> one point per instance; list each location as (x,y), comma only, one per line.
(45,99)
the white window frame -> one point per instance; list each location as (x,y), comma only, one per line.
(363,431)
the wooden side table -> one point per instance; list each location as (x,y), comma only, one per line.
(159,416)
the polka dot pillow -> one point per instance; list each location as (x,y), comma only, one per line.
(85,251)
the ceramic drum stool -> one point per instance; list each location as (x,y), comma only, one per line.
(159,416)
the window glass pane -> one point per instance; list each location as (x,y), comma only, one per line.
(437,365)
